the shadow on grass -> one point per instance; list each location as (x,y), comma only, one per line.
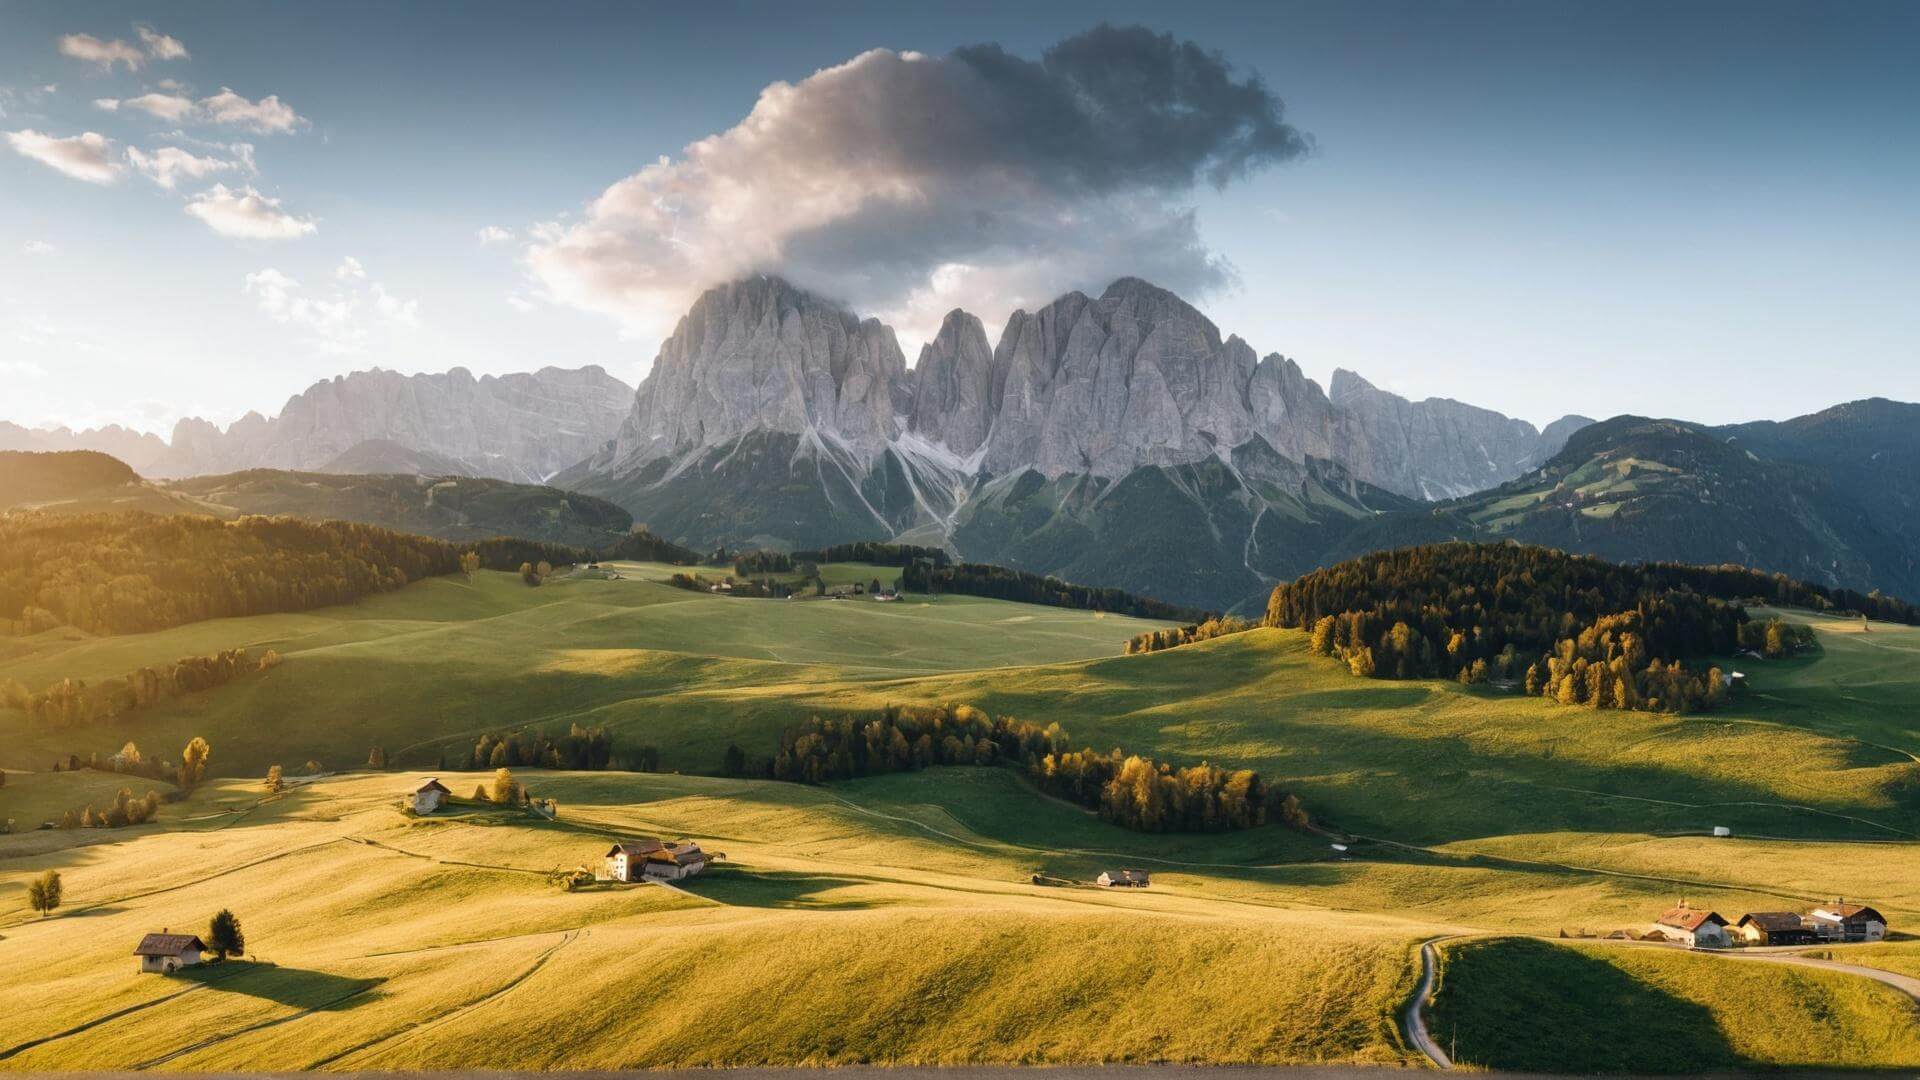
(742,887)
(1516,1003)
(300,988)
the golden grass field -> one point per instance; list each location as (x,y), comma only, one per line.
(892,919)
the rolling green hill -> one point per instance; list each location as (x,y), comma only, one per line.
(905,904)
(446,507)
(1633,489)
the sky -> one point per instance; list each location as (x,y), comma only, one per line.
(1708,210)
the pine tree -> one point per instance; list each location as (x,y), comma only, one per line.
(224,935)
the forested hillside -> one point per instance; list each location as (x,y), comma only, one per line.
(448,507)
(1575,628)
(126,573)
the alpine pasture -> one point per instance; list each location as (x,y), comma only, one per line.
(896,919)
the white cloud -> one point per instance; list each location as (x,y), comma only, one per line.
(87,156)
(37,247)
(267,116)
(520,304)
(246,214)
(165,106)
(107,104)
(168,165)
(105,54)
(340,321)
(160,46)
(494,234)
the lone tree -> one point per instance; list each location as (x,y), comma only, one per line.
(377,758)
(43,892)
(193,762)
(224,935)
(274,783)
(505,787)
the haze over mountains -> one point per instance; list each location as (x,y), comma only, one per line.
(1114,440)
(522,427)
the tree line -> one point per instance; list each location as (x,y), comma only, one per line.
(1172,637)
(585,748)
(1001,583)
(74,702)
(1583,631)
(132,572)
(1131,791)
(875,552)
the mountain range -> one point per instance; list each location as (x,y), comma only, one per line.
(522,427)
(1118,440)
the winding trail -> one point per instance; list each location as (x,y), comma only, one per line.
(1413,1024)
(1906,984)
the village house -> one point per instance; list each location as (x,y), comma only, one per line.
(165,953)
(1122,879)
(1841,921)
(1692,926)
(638,860)
(1774,928)
(428,797)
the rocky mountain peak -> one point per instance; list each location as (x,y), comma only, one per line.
(954,390)
(763,354)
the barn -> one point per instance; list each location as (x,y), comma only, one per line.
(428,796)
(1692,926)
(1774,928)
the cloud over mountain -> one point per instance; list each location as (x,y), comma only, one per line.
(906,183)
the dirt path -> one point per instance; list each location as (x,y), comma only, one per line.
(1413,1021)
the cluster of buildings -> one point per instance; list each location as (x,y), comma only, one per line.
(654,860)
(1701,928)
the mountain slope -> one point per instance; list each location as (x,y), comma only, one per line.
(448,507)
(1631,489)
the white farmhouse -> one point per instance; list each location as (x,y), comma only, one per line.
(1841,921)
(1692,926)
(429,796)
(164,953)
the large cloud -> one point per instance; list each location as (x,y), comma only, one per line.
(906,183)
(88,156)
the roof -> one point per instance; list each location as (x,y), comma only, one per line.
(632,848)
(1853,912)
(1689,918)
(433,784)
(684,851)
(1772,921)
(168,945)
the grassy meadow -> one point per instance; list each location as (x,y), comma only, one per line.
(1626,1008)
(893,919)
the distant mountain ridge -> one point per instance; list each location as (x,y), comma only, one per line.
(775,417)
(522,427)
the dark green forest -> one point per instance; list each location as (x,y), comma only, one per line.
(1000,583)
(1133,792)
(1573,628)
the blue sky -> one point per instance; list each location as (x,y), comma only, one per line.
(1699,210)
